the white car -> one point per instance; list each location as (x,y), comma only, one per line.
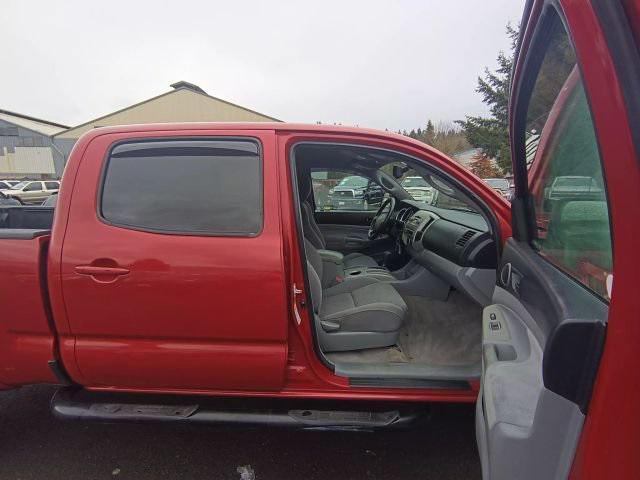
(418,188)
(32,191)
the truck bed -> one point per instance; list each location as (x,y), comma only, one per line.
(25,222)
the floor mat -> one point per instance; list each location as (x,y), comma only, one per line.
(442,333)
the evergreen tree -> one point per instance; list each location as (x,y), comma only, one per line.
(491,134)
(429,133)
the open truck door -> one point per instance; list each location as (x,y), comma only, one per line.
(556,336)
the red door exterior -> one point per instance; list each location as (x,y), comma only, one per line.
(193,312)
(603,33)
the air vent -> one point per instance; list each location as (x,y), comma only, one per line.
(462,241)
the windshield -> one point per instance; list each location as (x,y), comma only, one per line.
(19,186)
(353,181)
(431,195)
(414,182)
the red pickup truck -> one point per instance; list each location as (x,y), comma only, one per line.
(186,263)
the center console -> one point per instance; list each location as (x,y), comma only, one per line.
(379,273)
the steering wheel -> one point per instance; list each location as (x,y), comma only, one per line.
(382,218)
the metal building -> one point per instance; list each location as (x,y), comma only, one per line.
(186,102)
(26,147)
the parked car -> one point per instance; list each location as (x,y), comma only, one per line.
(9,182)
(575,187)
(418,188)
(5,184)
(146,305)
(501,185)
(4,200)
(355,193)
(32,191)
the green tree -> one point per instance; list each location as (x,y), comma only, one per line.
(429,133)
(491,134)
(445,136)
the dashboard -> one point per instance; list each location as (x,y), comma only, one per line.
(458,236)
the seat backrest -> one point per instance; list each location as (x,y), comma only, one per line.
(314,272)
(309,226)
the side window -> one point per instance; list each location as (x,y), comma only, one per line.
(33,187)
(208,187)
(344,191)
(52,185)
(565,174)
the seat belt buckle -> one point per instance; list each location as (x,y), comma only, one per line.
(339,279)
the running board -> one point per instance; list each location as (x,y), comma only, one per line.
(70,403)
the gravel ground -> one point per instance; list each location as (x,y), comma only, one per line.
(34,445)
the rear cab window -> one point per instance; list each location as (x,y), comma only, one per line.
(193,187)
(570,210)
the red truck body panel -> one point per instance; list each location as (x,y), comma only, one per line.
(194,312)
(26,337)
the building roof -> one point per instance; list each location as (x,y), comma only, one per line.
(38,125)
(179,88)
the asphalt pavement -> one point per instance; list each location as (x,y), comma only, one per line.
(34,445)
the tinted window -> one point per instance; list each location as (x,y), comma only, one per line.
(52,185)
(565,178)
(189,186)
(33,187)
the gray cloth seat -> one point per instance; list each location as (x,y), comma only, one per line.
(358,313)
(314,235)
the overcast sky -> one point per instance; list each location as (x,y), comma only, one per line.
(382,64)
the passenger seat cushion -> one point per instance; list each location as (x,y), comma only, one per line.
(363,305)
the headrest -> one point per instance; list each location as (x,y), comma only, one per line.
(304,185)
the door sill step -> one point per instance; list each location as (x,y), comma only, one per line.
(70,403)
(409,383)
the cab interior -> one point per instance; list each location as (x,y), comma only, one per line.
(397,285)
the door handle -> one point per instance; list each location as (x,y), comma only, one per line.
(100,271)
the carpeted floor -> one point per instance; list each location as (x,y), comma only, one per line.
(435,333)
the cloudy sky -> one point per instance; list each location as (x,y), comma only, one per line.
(382,64)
